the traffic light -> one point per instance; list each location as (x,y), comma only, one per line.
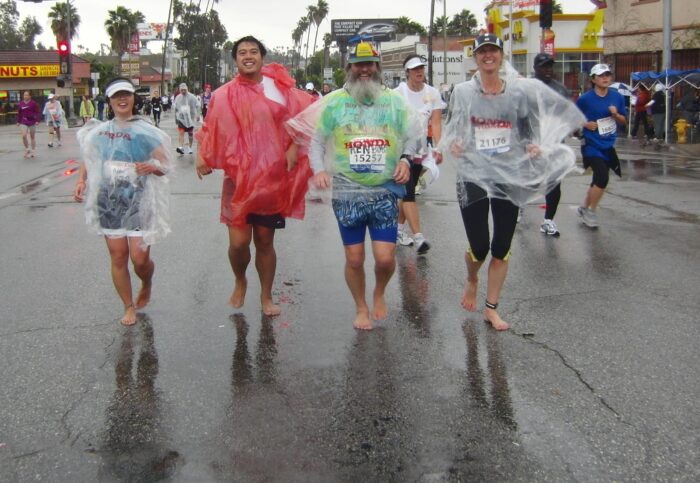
(545,14)
(60,81)
(64,56)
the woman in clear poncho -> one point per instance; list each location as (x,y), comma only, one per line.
(124,184)
(503,135)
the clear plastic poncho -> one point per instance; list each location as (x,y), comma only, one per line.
(118,200)
(358,145)
(186,111)
(510,144)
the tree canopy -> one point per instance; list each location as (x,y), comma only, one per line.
(120,24)
(16,35)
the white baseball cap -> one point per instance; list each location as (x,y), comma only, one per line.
(119,85)
(599,69)
(52,95)
(309,86)
(413,63)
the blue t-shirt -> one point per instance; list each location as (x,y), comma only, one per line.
(130,141)
(597,108)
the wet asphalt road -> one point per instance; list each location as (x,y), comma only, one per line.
(596,381)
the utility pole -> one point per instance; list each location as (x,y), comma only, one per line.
(444,42)
(165,50)
(71,111)
(666,62)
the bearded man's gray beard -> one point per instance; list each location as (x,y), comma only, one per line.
(364,92)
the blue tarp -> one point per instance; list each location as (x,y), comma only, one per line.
(668,77)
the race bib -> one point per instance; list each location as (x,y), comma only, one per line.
(606,126)
(492,139)
(367,155)
(185,110)
(120,172)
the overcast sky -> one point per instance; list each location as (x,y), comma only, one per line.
(272,21)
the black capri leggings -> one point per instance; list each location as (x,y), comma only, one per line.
(600,171)
(416,170)
(475,205)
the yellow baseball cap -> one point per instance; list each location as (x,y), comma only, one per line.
(364,52)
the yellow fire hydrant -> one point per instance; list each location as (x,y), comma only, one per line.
(681,126)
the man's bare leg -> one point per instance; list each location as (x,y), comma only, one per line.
(593,197)
(384,266)
(144,268)
(498,269)
(119,256)
(266,264)
(180,138)
(471,285)
(239,257)
(355,278)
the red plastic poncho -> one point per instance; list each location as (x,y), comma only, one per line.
(244,135)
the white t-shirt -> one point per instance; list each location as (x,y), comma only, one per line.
(272,92)
(424,101)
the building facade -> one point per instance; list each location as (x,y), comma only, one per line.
(36,71)
(634,35)
(574,40)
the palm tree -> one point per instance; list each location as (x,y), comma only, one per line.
(59,16)
(298,35)
(310,12)
(440,24)
(327,41)
(319,16)
(464,23)
(120,24)
(210,5)
(405,25)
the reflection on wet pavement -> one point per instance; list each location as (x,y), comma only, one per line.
(415,292)
(499,402)
(370,430)
(135,446)
(242,367)
(643,168)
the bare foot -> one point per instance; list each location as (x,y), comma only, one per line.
(469,296)
(129,315)
(144,296)
(362,321)
(270,309)
(238,295)
(495,320)
(379,311)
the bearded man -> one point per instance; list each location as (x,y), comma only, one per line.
(360,146)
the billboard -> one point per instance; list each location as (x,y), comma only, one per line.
(151,31)
(381,29)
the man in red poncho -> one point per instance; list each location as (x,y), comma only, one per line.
(266,176)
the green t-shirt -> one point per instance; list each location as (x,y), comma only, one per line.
(368,139)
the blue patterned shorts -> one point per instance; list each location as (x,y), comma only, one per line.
(377,211)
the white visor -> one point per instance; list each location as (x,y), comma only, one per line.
(119,86)
(414,62)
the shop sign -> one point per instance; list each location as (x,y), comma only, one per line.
(14,71)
